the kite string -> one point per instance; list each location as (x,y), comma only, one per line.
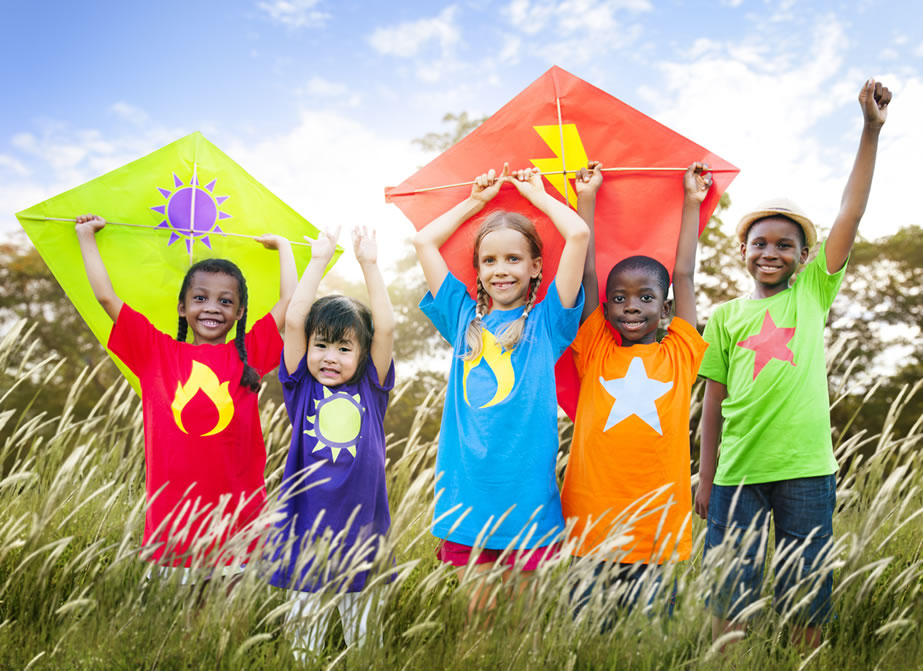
(553,172)
(175,230)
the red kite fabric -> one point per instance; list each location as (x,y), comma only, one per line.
(557,124)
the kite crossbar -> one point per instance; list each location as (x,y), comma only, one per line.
(174,230)
(424,189)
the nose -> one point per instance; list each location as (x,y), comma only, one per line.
(632,306)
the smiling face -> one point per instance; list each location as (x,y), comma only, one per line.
(773,251)
(211,307)
(506,267)
(635,304)
(333,363)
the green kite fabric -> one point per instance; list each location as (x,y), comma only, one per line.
(186,202)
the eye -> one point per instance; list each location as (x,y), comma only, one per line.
(345,349)
(646,298)
(618,299)
(227,301)
(513,258)
(320,345)
(759,243)
(784,245)
(198,298)
(487,260)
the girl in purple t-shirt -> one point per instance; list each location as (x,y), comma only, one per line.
(336,373)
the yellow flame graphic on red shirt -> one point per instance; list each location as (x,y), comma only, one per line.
(203,378)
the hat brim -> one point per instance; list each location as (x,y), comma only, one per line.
(810,233)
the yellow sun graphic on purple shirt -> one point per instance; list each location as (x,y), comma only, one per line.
(336,422)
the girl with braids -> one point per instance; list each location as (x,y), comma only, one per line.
(336,376)
(499,437)
(203,444)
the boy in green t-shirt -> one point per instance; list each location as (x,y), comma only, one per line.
(766,396)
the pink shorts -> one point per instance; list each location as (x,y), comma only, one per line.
(457,554)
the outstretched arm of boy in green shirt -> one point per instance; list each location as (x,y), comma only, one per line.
(874,99)
(715,393)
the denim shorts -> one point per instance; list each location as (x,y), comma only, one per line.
(802,515)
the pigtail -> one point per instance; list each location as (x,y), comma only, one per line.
(182,329)
(512,334)
(473,335)
(250,378)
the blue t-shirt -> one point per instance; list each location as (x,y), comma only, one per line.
(338,435)
(499,438)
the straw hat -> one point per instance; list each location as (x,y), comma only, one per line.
(783,207)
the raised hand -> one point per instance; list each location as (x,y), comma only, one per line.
(326,244)
(874,99)
(271,241)
(589,179)
(529,183)
(89,222)
(697,181)
(365,244)
(488,185)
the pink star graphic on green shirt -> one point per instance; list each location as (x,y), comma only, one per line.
(770,343)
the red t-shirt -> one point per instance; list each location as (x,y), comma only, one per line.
(203,444)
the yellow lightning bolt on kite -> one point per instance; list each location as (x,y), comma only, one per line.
(573,154)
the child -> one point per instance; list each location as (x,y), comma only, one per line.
(766,396)
(336,374)
(499,435)
(204,452)
(629,460)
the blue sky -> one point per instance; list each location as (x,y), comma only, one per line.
(320,99)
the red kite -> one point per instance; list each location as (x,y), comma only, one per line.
(557,124)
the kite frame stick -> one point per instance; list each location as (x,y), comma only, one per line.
(553,172)
(563,157)
(195,184)
(158,228)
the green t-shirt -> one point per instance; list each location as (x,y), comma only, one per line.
(770,354)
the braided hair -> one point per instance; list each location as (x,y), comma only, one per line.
(250,378)
(512,332)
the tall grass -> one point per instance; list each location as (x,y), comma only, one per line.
(75,594)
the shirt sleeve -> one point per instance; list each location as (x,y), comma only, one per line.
(133,339)
(690,347)
(588,339)
(264,345)
(562,322)
(817,280)
(445,310)
(381,391)
(290,383)
(715,360)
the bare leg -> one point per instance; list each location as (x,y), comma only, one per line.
(809,637)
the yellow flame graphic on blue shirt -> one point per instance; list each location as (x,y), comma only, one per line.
(499,362)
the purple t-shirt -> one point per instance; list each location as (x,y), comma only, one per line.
(335,464)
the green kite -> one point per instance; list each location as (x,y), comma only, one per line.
(182,203)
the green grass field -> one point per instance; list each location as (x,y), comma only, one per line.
(74,593)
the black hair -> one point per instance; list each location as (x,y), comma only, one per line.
(804,240)
(331,318)
(250,378)
(646,264)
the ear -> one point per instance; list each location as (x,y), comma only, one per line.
(666,309)
(240,313)
(605,304)
(743,250)
(804,254)
(181,309)
(536,267)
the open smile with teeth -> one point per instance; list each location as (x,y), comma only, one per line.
(329,372)
(768,269)
(632,325)
(500,286)
(210,323)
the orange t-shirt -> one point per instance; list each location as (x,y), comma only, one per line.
(631,438)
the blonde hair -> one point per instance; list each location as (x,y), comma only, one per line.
(512,332)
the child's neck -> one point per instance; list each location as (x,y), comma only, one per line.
(764,291)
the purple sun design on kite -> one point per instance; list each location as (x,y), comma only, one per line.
(191,211)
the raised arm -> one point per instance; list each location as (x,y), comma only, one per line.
(296,340)
(569,224)
(87,227)
(288,274)
(588,181)
(874,99)
(366,248)
(696,183)
(715,393)
(428,240)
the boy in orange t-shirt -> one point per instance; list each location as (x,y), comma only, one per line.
(628,477)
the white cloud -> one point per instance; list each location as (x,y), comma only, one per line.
(406,39)
(14,166)
(295,13)
(571,16)
(130,113)
(318,87)
(768,117)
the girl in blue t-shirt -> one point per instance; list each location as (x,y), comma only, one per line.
(498,442)
(336,374)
